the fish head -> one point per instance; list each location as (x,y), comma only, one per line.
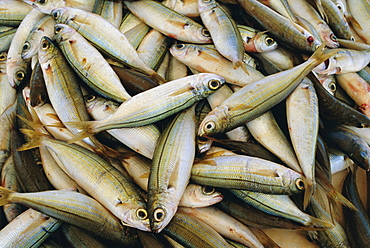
(46,6)
(204,84)
(200,196)
(47,50)
(203,35)
(99,106)
(215,122)
(61,15)
(328,67)
(63,32)
(16,71)
(206,5)
(264,43)
(161,210)
(295,181)
(180,50)
(134,216)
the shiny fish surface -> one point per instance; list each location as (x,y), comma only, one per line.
(93,27)
(170,170)
(131,152)
(247,172)
(114,191)
(74,208)
(157,103)
(89,64)
(241,107)
(169,22)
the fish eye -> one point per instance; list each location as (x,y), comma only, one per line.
(55,14)
(179,46)
(2,56)
(352,38)
(300,184)
(208,190)
(310,39)
(206,1)
(333,37)
(20,75)
(269,41)
(26,46)
(45,44)
(141,214)
(332,86)
(214,84)
(57,29)
(210,126)
(159,214)
(41,2)
(205,32)
(339,7)
(90,98)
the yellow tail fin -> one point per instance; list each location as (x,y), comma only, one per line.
(4,196)
(308,192)
(237,64)
(85,127)
(35,137)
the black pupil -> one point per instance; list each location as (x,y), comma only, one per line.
(42,1)
(205,32)
(209,126)
(44,45)
(159,216)
(208,190)
(55,14)
(269,41)
(214,84)
(20,75)
(25,46)
(180,46)
(301,184)
(90,98)
(141,214)
(57,29)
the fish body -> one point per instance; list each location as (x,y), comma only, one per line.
(168,21)
(256,98)
(157,103)
(170,171)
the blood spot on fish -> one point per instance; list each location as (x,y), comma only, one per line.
(71,41)
(310,39)
(172,36)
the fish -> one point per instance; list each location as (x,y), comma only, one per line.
(256,98)
(155,104)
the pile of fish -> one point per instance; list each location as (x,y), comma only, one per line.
(183,123)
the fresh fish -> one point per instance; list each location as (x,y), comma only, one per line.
(93,27)
(171,167)
(249,173)
(155,104)
(114,191)
(250,101)
(224,32)
(89,63)
(168,21)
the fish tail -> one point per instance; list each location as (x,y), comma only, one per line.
(4,196)
(308,192)
(240,63)
(86,127)
(320,55)
(265,240)
(35,137)
(321,224)
(156,77)
(336,196)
